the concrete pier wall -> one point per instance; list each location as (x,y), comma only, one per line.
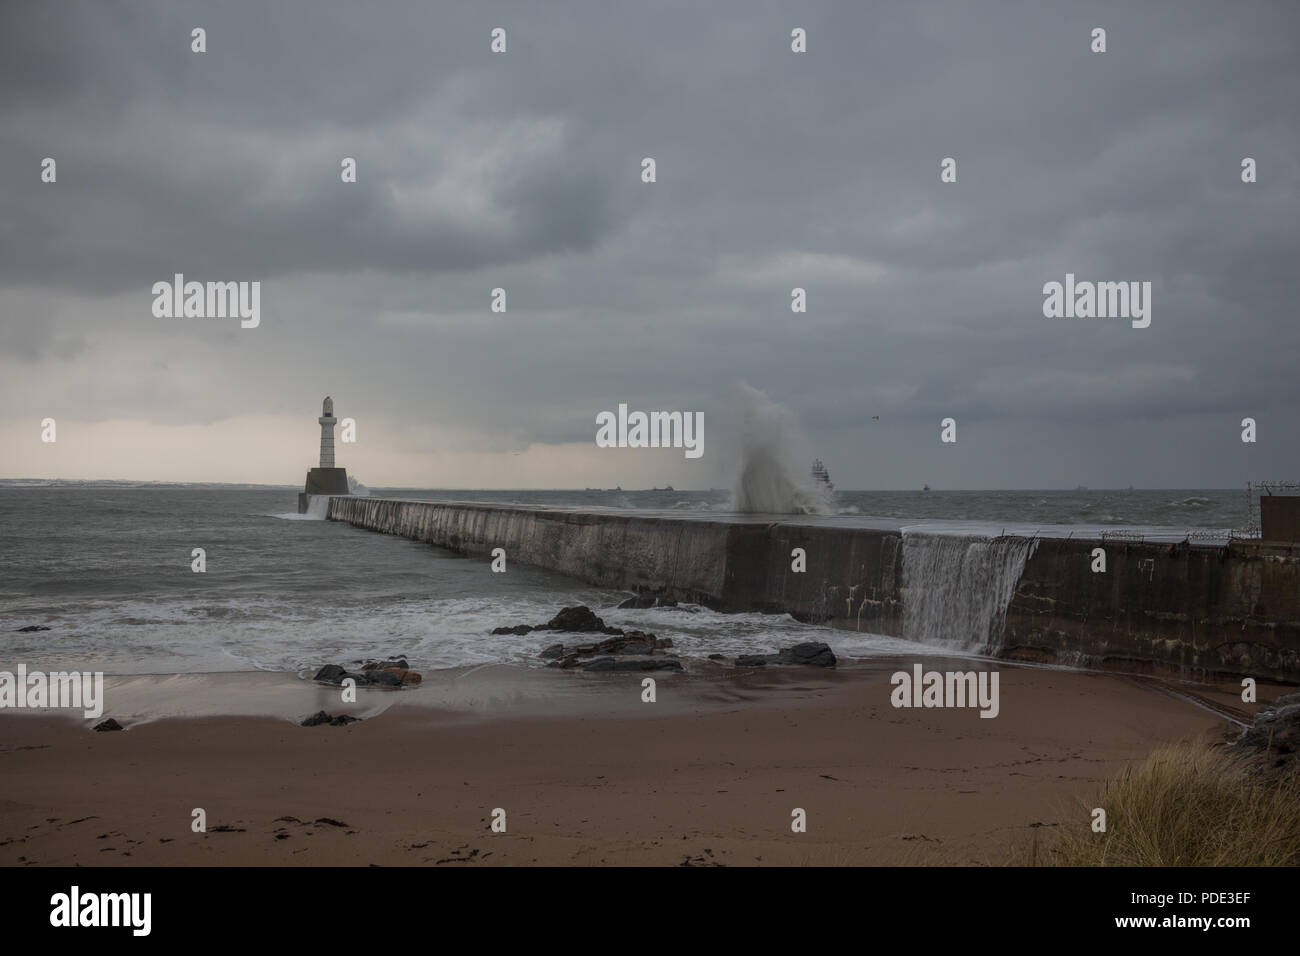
(1197,611)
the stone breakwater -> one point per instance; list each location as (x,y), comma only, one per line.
(1222,610)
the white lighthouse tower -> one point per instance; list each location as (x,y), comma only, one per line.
(327,479)
(327,423)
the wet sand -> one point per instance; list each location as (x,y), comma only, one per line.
(586,772)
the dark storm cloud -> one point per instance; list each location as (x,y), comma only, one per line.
(818,170)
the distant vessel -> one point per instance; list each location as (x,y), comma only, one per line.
(926,488)
(664,488)
(820,475)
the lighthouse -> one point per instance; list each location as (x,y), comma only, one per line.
(325,479)
(327,423)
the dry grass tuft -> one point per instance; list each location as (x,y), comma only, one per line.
(1187,805)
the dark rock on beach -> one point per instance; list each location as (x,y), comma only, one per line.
(812,654)
(632,664)
(390,673)
(577,620)
(109,724)
(1275,732)
(632,642)
(320,717)
(32,628)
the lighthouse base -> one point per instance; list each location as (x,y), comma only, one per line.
(323,481)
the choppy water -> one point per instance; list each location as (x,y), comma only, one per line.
(107,568)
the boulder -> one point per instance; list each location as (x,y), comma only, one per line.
(386,678)
(389,673)
(811,654)
(331,674)
(634,664)
(109,724)
(516,629)
(569,660)
(320,717)
(578,620)
(32,628)
(1274,736)
(1275,731)
(630,642)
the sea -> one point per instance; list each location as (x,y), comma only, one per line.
(107,568)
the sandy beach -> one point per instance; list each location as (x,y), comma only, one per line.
(585,771)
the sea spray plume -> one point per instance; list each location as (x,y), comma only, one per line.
(766,482)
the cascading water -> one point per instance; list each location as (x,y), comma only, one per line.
(317,508)
(956,588)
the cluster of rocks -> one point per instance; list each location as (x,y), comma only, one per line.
(812,653)
(320,717)
(635,650)
(610,654)
(1275,733)
(31,629)
(389,673)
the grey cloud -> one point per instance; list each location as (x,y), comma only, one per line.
(521,171)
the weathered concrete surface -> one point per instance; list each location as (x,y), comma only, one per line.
(1224,610)
(1279,517)
(322,481)
(1197,611)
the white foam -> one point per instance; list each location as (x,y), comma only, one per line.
(317,508)
(766,483)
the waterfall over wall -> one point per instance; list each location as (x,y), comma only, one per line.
(956,588)
(317,507)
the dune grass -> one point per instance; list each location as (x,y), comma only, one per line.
(1187,805)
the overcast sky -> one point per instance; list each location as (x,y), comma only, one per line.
(775,169)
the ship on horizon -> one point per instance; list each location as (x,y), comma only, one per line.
(820,475)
